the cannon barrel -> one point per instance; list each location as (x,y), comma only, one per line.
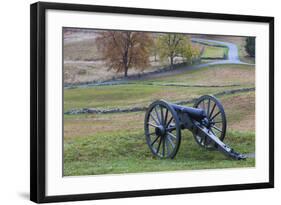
(195,113)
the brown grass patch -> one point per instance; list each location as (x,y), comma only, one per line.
(215,75)
(240,111)
(228,76)
(93,124)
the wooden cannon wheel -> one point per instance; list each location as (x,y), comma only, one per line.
(162,130)
(216,117)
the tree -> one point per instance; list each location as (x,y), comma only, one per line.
(123,50)
(153,47)
(251,46)
(174,45)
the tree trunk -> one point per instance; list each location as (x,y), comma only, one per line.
(155,54)
(172,62)
(126,71)
(125,58)
(125,62)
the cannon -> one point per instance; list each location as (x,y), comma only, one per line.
(206,120)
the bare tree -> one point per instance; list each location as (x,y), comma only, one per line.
(123,50)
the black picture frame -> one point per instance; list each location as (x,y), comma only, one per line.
(38,100)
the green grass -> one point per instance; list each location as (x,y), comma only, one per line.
(127,152)
(214,52)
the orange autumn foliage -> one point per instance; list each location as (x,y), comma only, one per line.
(123,50)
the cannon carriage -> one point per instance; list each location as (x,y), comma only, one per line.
(206,120)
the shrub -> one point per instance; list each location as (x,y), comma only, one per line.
(251,46)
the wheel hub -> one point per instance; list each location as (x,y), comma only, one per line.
(206,123)
(160,131)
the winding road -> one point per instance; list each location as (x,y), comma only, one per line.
(233,56)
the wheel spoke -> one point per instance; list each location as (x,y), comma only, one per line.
(205,140)
(217,122)
(162,115)
(169,129)
(154,140)
(167,146)
(153,125)
(201,140)
(171,142)
(208,110)
(213,132)
(157,114)
(154,119)
(203,102)
(215,115)
(159,145)
(163,147)
(166,116)
(172,135)
(170,120)
(152,133)
(216,128)
(212,110)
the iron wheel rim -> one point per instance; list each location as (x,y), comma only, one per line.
(162,130)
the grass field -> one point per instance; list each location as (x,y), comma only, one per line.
(212,52)
(115,143)
(129,95)
(81,50)
(127,152)
(141,93)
